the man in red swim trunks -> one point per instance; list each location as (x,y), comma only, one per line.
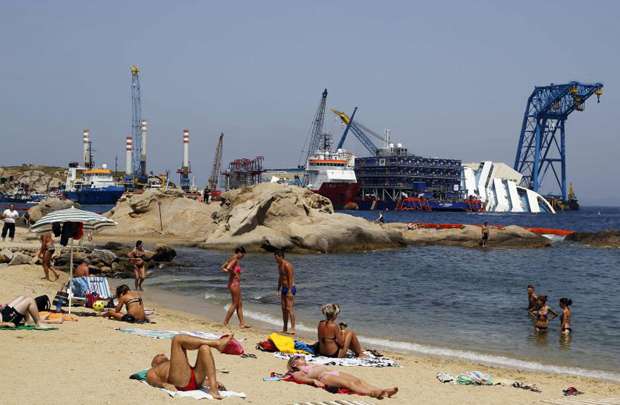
(175,374)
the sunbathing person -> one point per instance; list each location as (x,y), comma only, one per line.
(176,373)
(322,376)
(132,301)
(335,340)
(21,310)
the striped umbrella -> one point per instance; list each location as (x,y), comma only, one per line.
(90,221)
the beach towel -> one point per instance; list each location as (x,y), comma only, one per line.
(168,334)
(25,327)
(474,378)
(370,361)
(202,393)
(284,344)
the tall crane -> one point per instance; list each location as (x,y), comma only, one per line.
(139,170)
(540,146)
(217,164)
(361,132)
(317,138)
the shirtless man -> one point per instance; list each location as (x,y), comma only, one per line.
(175,374)
(287,290)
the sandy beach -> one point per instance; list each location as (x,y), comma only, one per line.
(90,361)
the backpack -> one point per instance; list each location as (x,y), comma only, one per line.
(43,303)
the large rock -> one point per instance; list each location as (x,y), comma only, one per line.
(275,216)
(163,253)
(606,239)
(157,212)
(49,205)
(5,256)
(38,179)
(20,258)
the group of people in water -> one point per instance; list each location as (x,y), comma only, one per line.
(539,309)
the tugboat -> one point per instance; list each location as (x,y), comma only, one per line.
(92,185)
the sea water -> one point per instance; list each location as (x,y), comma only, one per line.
(448,301)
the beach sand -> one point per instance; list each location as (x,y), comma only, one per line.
(89,362)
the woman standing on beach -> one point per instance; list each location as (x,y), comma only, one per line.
(231,266)
(45,254)
(542,314)
(136,257)
(565,304)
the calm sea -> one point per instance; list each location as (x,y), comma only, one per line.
(465,303)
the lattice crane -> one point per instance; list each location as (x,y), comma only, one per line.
(139,169)
(540,146)
(317,138)
(361,132)
(217,164)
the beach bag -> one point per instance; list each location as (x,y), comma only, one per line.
(91,298)
(43,303)
(61,299)
(233,347)
(266,346)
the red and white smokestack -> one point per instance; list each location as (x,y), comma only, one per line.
(143,129)
(86,147)
(129,156)
(186,148)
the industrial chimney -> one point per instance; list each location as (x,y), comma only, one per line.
(86,148)
(128,156)
(143,129)
(186,148)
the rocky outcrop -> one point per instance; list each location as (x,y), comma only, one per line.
(157,212)
(275,216)
(470,235)
(49,205)
(31,178)
(604,239)
(101,261)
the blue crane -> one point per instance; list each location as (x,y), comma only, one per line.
(360,131)
(317,138)
(139,166)
(540,146)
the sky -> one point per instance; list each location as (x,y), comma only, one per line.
(449,78)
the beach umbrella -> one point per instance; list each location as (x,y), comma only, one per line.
(90,221)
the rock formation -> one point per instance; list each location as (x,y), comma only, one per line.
(49,205)
(604,239)
(38,179)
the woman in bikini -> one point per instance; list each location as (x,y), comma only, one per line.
(136,257)
(542,314)
(321,376)
(132,301)
(335,340)
(45,254)
(21,310)
(231,266)
(565,304)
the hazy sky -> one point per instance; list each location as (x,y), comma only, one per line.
(449,78)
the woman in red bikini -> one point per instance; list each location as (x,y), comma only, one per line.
(321,376)
(231,266)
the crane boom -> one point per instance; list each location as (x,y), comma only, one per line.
(357,130)
(316,132)
(217,164)
(136,123)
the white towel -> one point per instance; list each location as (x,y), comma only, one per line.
(200,394)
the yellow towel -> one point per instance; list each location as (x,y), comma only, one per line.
(284,344)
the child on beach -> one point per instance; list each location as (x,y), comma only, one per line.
(565,304)
(231,266)
(322,376)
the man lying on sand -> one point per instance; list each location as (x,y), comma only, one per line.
(20,310)
(321,376)
(176,374)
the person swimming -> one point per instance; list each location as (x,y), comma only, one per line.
(532,298)
(565,316)
(542,315)
(322,377)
